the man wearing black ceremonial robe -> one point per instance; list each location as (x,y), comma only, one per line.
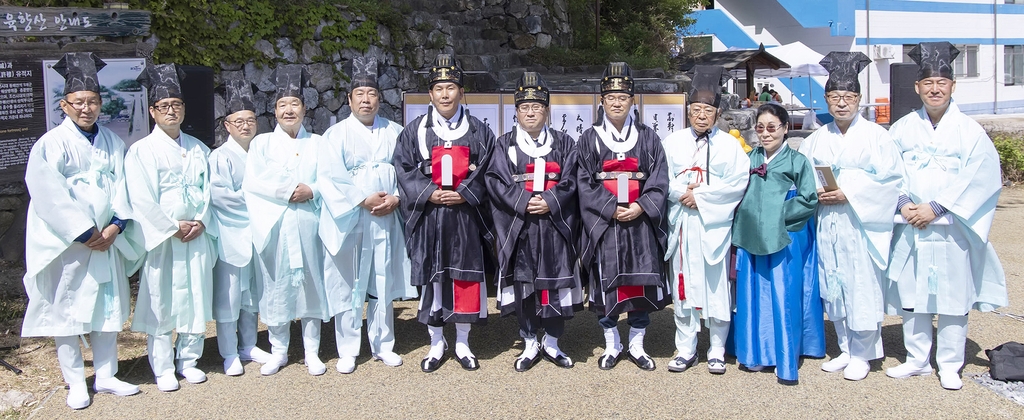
(531,180)
(439,161)
(622,186)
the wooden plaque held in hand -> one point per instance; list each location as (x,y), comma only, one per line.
(826,178)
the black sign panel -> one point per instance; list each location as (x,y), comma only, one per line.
(22,114)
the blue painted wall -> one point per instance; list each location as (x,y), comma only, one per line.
(716,22)
(838,15)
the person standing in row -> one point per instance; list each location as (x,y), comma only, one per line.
(76,260)
(365,256)
(531,179)
(236,290)
(168,176)
(855,216)
(942,263)
(439,160)
(709,172)
(778,303)
(281,193)
(622,182)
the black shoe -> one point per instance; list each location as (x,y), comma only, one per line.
(606,362)
(561,360)
(431,364)
(523,364)
(680,364)
(644,362)
(468,362)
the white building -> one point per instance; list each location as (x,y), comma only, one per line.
(989,34)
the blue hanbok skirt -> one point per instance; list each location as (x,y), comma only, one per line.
(779,317)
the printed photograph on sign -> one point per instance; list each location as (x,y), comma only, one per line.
(663,113)
(125,110)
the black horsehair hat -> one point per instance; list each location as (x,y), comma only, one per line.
(239,96)
(844,69)
(290,79)
(706,84)
(935,59)
(617,77)
(532,88)
(162,81)
(79,70)
(445,69)
(364,73)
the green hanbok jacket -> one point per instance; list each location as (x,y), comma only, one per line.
(764,216)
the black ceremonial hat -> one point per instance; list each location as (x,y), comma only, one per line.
(706,84)
(79,71)
(239,96)
(445,69)
(364,73)
(844,70)
(162,81)
(532,88)
(617,77)
(935,59)
(290,79)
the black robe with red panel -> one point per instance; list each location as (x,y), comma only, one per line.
(446,244)
(623,260)
(536,253)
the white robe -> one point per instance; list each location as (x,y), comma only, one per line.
(234,273)
(853,237)
(167,183)
(947,269)
(75,186)
(699,239)
(368,251)
(289,258)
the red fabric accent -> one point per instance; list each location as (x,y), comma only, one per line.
(460,164)
(629,292)
(682,285)
(467,297)
(630,164)
(550,168)
(700,173)
(682,288)
(544,297)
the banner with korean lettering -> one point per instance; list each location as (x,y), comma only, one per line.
(22,105)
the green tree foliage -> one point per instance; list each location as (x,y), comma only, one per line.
(641,32)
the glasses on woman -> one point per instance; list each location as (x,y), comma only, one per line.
(760,128)
(176,106)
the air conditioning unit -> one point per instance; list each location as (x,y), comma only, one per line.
(884,52)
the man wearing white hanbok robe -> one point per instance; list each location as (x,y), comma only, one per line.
(284,211)
(854,221)
(942,263)
(708,173)
(169,187)
(236,291)
(365,256)
(76,278)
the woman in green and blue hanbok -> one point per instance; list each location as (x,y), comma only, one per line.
(778,306)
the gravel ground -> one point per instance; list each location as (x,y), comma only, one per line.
(496,390)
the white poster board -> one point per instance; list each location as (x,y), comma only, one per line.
(125,110)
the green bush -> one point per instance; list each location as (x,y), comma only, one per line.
(1011,155)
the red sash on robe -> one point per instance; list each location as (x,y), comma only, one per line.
(630,164)
(466,297)
(549,168)
(460,164)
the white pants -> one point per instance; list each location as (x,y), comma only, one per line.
(949,349)
(380,329)
(280,337)
(238,335)
(864,345)
(161,354)
(688,326)
(104,356)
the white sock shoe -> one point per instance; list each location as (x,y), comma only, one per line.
(837,364)
(462,340)
(78,396)
(193,375)
(273,365)
(317,367)
(167,383)
(115,386)
(233,366)
(254,354)
(612,342)
(437,343)
(346,364)
(389,358)
(857,369)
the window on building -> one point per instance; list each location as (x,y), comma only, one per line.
(966,64)
(1013,65)
(697,44)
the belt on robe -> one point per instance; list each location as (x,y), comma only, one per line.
(613,175)
(552,176)
(427,169)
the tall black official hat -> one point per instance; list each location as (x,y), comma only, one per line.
(290,79)
(239,96)
(79,71)
(706,84)
(445,69)
(162,81)
(617,77)
(935,59)
(364,73)
(532,88)
(844,70)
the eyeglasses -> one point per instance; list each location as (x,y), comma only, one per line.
(941,83)
(707,111)
(177,106)
(850,98)
(243,122)
(770,127)
(617,98)
(530,108)
(81,105)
